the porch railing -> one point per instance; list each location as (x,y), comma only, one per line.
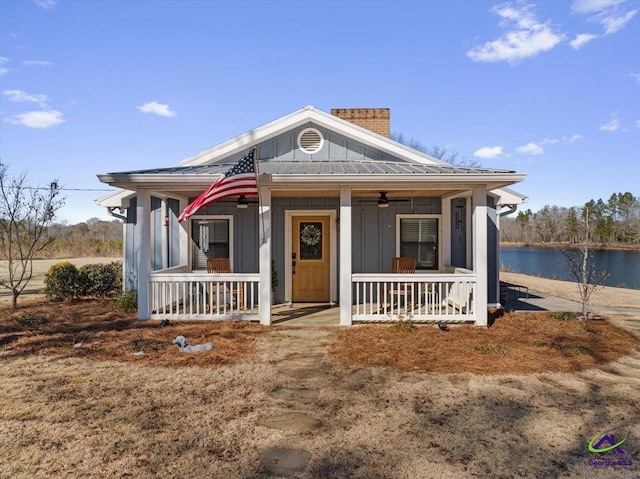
(178,293)
(421,297)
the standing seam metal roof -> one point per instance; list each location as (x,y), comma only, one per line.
(337,167)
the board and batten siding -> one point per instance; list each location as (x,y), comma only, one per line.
(335,147)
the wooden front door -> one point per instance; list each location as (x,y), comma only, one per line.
(310,265)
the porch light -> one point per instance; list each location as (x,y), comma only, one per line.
(383,201)
(242,202)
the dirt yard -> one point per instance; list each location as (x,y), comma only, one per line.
(87,391)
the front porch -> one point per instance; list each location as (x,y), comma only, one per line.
(179,294)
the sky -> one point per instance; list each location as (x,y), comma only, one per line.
(546,88)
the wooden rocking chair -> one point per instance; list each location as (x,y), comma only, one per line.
(403,265)
(223,266)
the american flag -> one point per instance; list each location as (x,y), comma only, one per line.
(240,179)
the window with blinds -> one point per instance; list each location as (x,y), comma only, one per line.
(419,239)
(210,239)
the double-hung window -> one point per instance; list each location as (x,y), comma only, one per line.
(211,237)
(418,236)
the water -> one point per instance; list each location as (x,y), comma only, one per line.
(623,266)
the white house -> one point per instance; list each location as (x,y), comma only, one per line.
(338,200)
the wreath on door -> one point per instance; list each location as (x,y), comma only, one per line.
(310,235)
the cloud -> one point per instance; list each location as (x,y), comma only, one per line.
(638,123)
(613,124)
(572,138)
(613,15)
(3,69)
(41,63)
(525,37)
(563,139)
(46,4)
(40,120)
(530,149)
(636,76)
(581,40)
(614,22)
(593,6)
(488,152)
(155,108)
(21,96)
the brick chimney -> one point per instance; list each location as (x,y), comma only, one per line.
(374,119)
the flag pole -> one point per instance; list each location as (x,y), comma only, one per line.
(257,169)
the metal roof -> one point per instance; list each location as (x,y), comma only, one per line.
(324,167)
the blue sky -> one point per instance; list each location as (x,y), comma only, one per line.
(550,89)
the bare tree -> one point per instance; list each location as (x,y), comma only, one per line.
(440,152)
(25,215)
(583,269)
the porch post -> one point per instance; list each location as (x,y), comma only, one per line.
(264,219)
(446,232)
(185,244)
(480,254)
(143,256)
(346,290)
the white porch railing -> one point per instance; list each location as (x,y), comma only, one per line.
(178,293)
(422,297)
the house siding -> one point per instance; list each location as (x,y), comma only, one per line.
(493,269)
(335,147)
(130,272)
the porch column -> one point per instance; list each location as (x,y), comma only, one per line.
(143,251)
(480,268)
(264,226)
(446,232)
(185,244)
(346,289)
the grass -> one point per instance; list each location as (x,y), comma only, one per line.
(99,410)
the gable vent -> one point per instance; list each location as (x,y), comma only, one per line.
(310,140)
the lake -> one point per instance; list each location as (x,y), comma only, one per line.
(623,266)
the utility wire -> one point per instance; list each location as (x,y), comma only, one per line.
(62,189)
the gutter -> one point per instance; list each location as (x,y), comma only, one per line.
(512,209)
(116,215)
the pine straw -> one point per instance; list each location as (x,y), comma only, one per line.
(52,329)
(516,343)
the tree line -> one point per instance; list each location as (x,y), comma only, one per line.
(612,222)
(92,238)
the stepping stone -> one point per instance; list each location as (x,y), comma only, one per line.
(303,333)
(306,357)
(284,462)
(361,375)
(303,373)
(292,421)
(304,396)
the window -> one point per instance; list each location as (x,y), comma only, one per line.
(419,238)
(211,238)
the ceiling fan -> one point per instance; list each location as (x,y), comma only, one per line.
(241,202)
(383,201)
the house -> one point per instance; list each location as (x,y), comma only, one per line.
(338,200)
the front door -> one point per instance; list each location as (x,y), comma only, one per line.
(310,266)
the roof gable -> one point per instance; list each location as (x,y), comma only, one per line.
(343,140)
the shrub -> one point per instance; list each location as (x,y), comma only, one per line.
(62,281)
(562,315)
(404,324)
(100,280)
(127,301)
